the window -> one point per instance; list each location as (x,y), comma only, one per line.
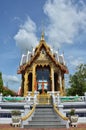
(5,115)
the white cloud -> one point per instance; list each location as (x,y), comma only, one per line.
(17,19)
(66,20)
(77,61)
(73,62)
(10,79)
(26,36)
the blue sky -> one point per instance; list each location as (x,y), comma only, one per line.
(20,29)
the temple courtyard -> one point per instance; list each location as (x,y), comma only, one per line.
(9,127)
(41,101)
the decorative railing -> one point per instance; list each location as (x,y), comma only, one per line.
(43,98)
(60,114)
(13,99)
(71,99)
(61,99)
(29,113)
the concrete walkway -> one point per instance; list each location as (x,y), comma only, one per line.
(9,127)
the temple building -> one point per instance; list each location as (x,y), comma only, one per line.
(42,70)
(42,102)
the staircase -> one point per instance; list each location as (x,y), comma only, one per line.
(45,117)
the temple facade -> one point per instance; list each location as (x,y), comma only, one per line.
(42,70)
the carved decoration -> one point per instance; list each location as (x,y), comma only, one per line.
(43,57)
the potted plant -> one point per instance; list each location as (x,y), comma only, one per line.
(16,118)
(73,118)
(72,112)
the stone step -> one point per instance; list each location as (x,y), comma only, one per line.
(44,126)
(44,106)
(44,110)
(44,123)
(43,115)
(45,119)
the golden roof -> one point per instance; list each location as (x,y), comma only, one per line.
(42,44)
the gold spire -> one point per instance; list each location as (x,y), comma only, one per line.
(42,36)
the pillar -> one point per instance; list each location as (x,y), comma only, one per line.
(26,84)
(1,96)
(35,83)
(52,75)
(22,85)
(63,84)
(60,82)
(33,78)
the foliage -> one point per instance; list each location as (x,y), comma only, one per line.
(4,90)
(7,92)
(78,81)
(72,112)
(1,83)
(16,113)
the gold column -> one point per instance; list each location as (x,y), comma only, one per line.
(63,84)
(33,78)
(26,84)
(22,85)
(60,81)
(52,75)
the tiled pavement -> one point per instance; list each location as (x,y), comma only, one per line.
(8,127)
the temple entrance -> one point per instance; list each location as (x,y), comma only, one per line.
(43,79)
(30,82)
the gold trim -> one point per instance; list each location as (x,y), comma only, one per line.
(60,114)
(25,84)
(33,77)
(43,44)
(28,114)
(44,98)
(42,57)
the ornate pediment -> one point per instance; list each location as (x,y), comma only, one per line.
(43,55)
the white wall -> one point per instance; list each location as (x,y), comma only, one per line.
(82,120)
(5,120)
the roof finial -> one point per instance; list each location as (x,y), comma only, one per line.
(42,35)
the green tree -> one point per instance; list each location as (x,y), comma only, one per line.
(7,92)
(1,83)
(78,81)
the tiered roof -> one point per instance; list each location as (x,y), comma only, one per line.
(29,58)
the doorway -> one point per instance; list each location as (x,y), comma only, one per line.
(43,78)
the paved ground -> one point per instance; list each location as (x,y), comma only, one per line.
(8,127)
